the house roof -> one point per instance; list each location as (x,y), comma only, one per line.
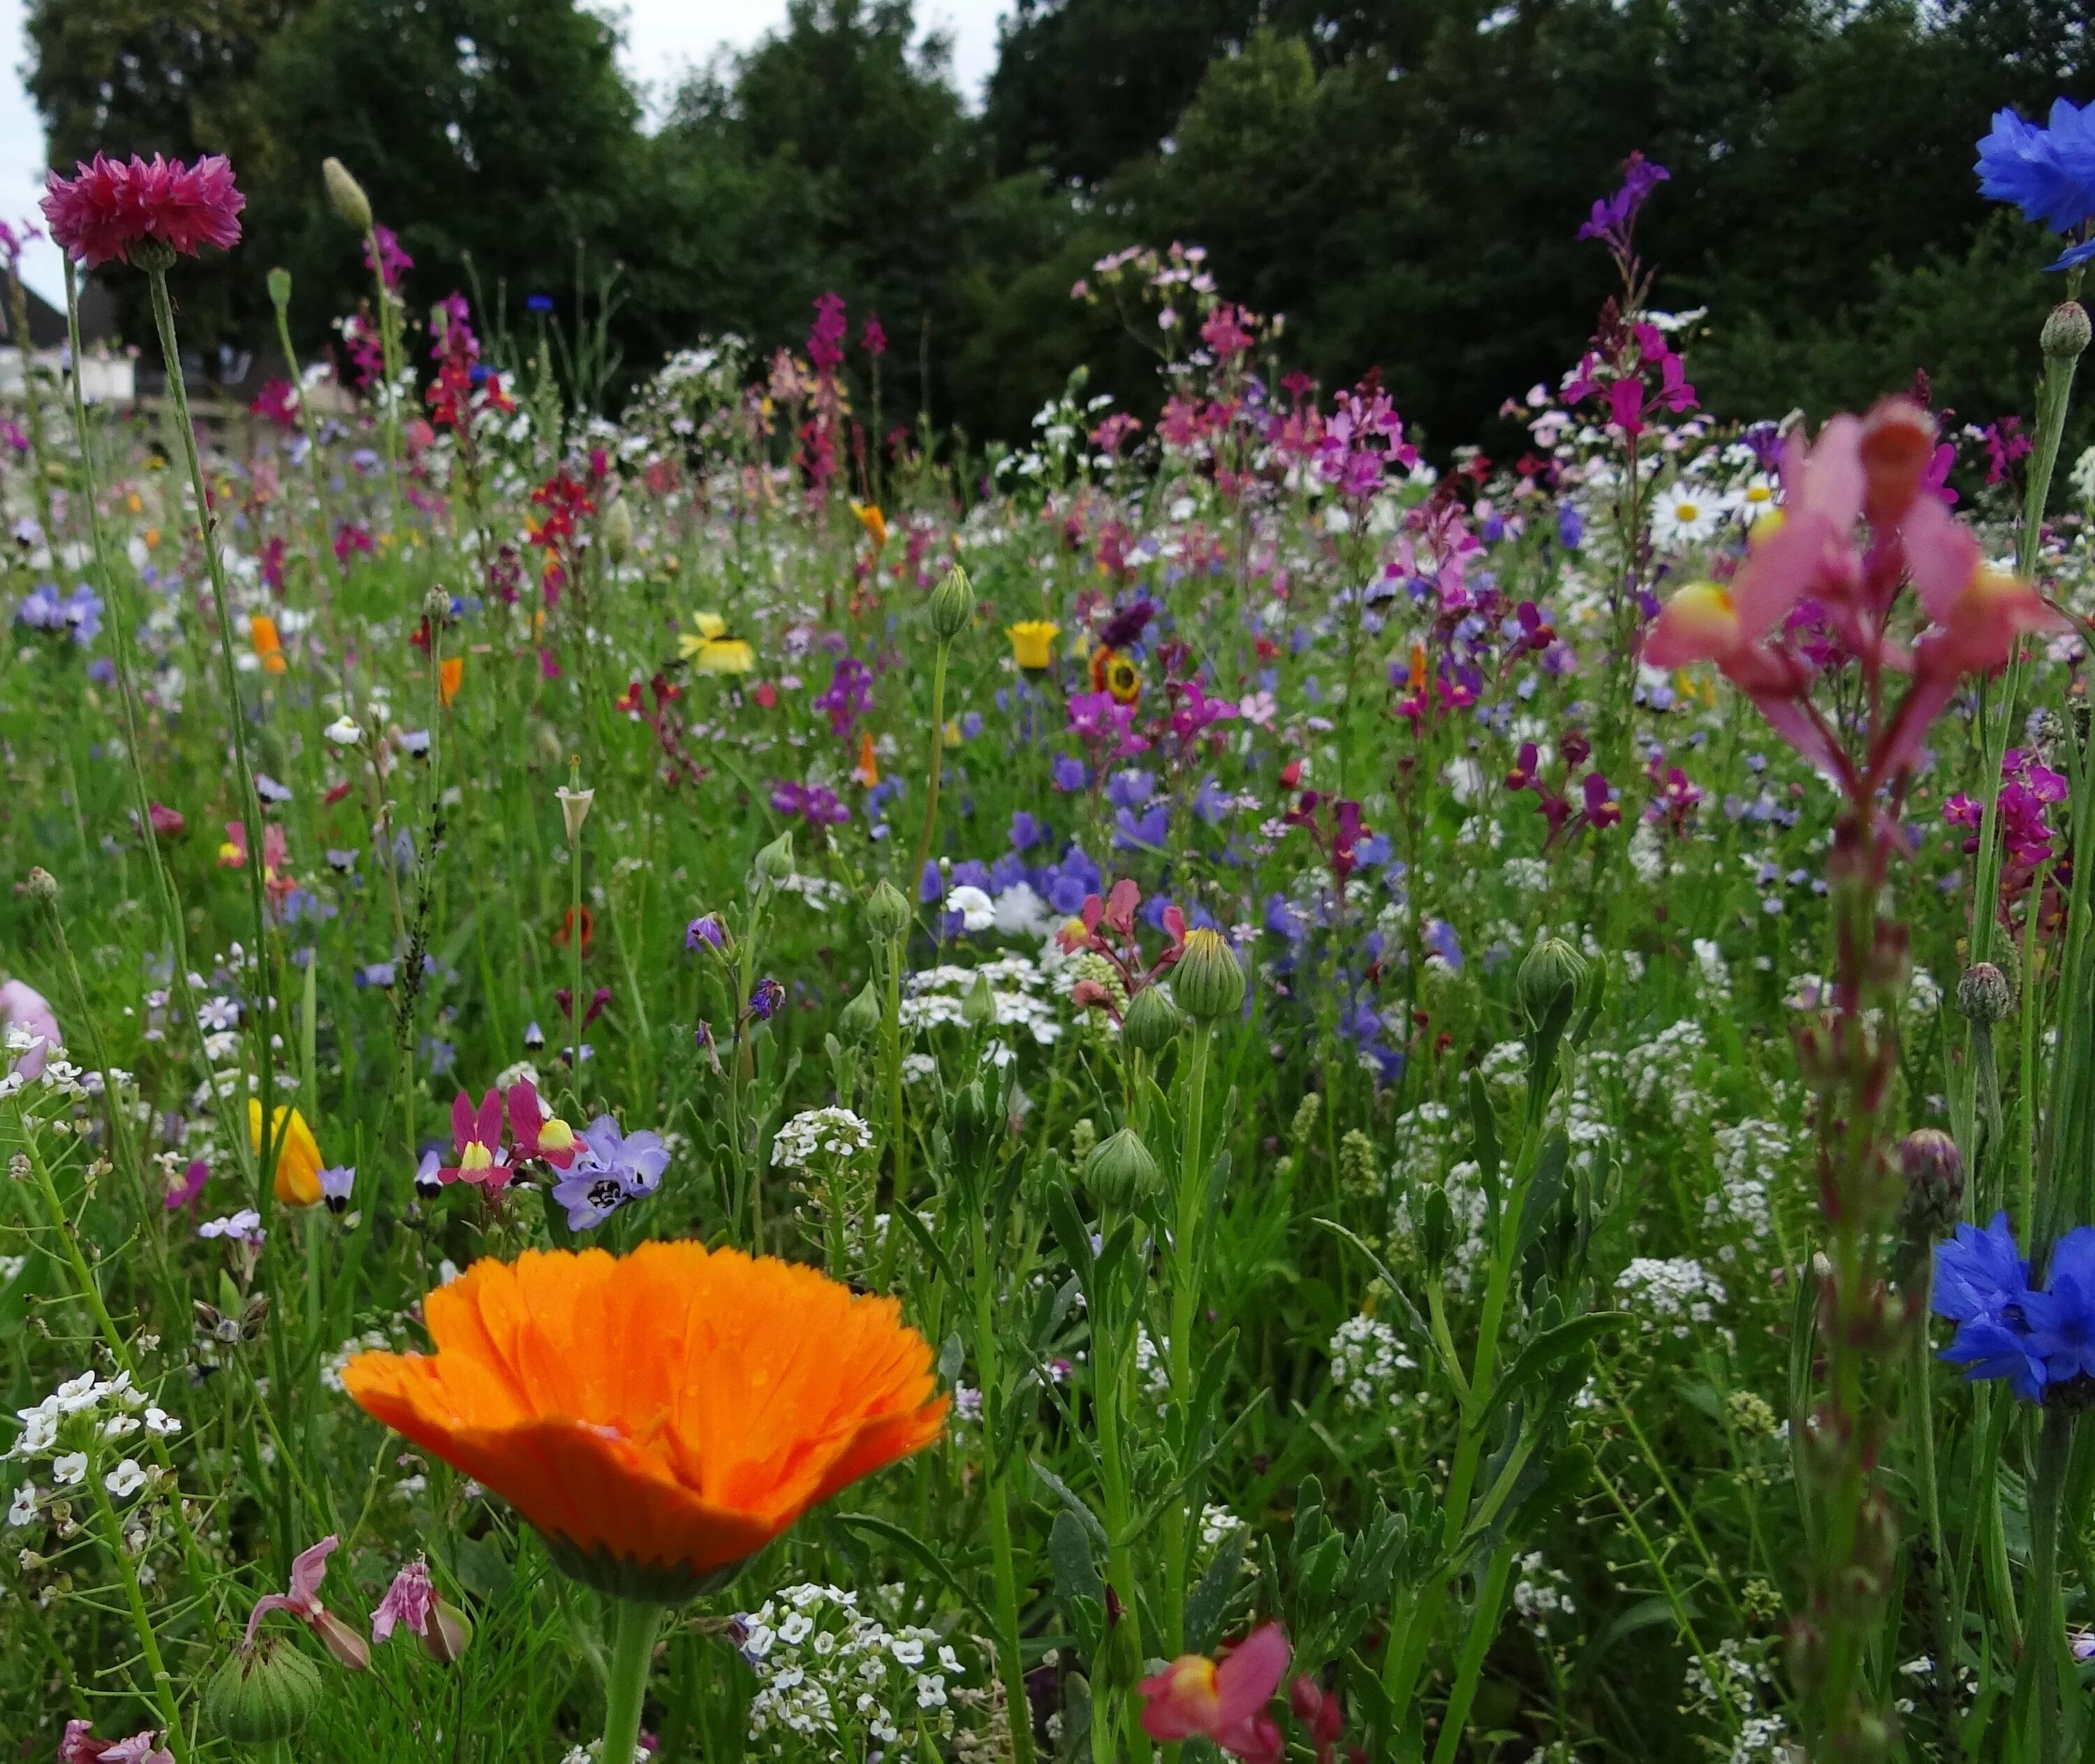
(47,323)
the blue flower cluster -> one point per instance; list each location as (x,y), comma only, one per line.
(2005,1330)
(2048,172)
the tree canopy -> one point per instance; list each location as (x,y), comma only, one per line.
(1402,178)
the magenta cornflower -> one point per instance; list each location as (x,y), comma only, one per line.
(109,208)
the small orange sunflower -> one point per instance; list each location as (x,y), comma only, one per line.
(662,1416)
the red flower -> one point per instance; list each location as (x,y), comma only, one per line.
(1224,1702)
(109,208)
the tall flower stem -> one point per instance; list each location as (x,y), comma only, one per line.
(1189,1204)
(936,765)
(1002,1561)
(232,1133)
(1996,724)
(2043,1640)
(251,804)
(635,1625)
(163,1696)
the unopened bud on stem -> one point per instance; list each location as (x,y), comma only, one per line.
(346,194)
(2066,332)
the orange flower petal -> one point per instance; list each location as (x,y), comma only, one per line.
(675,1407)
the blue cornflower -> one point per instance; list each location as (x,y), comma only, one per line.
(538,303)
(2062,1318)
(2003,1329)
(1131,788)
(1069,774)
(1979,1274)
(2048,172)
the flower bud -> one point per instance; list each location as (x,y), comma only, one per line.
(1549,971)
(264,1693)
(886,911)
(1208,983)
(42,886)
(1083,1137)
(279,288)
(952,605)
(978,1007)
(1983,994)
(975,1121)
(346,194)
(774,863)
(617,529)
(2066,332)
(1934,1170)
(1152,1022)
(859,1020)
(448,1633)
(1120,1174)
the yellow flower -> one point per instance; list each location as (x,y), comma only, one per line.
(708,648)
(1033,642)
(298,1179)
(875,522)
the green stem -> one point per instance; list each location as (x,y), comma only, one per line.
(1190,1205)
(2045,1638)
(141,1620)
(1483,1627)
(937,765)
(633,1627)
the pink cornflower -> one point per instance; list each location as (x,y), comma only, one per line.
(411,1603)
(1223,1701)
(303,1602)
(109,208)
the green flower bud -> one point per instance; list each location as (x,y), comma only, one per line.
(42,886)
(449,1635)
(346,194)
(1208,983)
(1152,1022)
(887,912)
(859,1020)
(974,1120)
(1549,971)
(952,605)
(2066,332)
(617,526)
(1120,1174)
(774,863)
(978,1008)
(1983,994)
(264,1693)
(279,288)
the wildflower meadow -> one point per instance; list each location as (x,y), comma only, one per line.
(714,1076)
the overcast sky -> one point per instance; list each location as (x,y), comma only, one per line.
(663,38)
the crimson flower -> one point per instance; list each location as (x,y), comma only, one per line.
(110,207)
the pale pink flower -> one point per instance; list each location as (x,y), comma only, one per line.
(1225,1701)
(23,1007)
(303,1602)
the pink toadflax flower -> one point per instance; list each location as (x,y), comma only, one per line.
(476,1141)
(1223,1701)
(110,207)
(303,1602)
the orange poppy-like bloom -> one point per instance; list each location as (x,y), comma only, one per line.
(449,671)
(269,645)
(662,1416)
(875,522)
(866,771)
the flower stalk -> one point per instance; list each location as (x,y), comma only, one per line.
(634,1626)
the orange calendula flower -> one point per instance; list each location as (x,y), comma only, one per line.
(875,522)
(662,1416)
(298,1179)
(1033,642)
(269,645)
(866,771)
(449,671)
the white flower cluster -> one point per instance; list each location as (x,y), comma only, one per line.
(85,1409)
(1677,1290)
(824,1667)
(1750,1155)
(1740,1681)
(1543,1596)
(824,1136)
(1217,1522)
(1016,984)
(1153,1365)
(1368,1362)
(1662,1071)
(1427,1138)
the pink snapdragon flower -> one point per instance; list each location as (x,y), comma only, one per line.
(303,1602)
(1223,1701)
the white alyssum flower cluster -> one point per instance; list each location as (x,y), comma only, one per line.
(1662,1073)
(1021,988)
(1543,1596)
(1674,1291)
(84,1411)
(825,1136)
(1750,1156)
(825,1666)
(1369,1364)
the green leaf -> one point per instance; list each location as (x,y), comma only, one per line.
(907,1541)
(1076,1566)
(1545,1188)
(1551,1348)
(921,1232)
(1208,1601)
(1072,1502)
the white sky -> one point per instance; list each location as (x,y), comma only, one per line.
(663,38)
